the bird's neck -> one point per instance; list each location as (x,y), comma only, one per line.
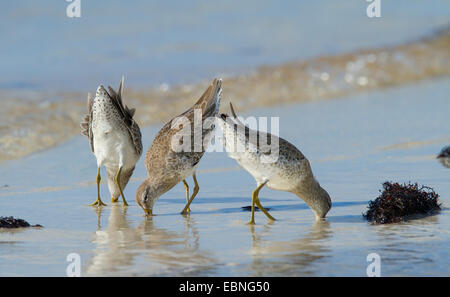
(315,196)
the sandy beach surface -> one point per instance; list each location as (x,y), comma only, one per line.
(354,143)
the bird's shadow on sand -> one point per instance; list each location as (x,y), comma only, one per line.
(245,207)
(244,200)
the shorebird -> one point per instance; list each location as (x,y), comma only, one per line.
(167,167)
(286,169)
(115,139)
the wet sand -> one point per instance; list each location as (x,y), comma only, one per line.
(354,144)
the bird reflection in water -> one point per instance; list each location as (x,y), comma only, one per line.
(147,250)
(294,257)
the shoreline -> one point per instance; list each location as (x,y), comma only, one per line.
(48,120)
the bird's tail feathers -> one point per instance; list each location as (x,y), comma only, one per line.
(209,102)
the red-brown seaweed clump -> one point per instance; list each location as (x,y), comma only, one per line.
(397,202)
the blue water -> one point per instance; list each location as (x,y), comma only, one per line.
(346,141)
(154,42)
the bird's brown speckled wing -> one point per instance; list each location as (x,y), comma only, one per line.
(86,125)
(209,104)
(127,116)
(287,149)
(160,159)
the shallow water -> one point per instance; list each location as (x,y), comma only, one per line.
(154,42)
(311,49)
(354,144)
(33,120)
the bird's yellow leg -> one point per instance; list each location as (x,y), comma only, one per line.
(255,200)
(98,202)
(252,219)
(196,188)
(258,203)
(118,185)
(186,188)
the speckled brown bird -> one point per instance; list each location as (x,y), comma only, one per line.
(273,162)
(115,139)
(167,167)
